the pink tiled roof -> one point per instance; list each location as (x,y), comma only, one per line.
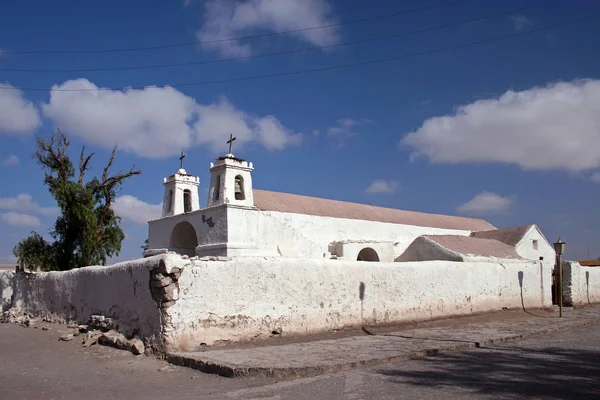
(475,246)
(294,203)
(510,236)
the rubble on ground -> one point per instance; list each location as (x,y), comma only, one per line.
(100,329)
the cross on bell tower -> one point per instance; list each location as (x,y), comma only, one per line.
(181,157)
(230,142)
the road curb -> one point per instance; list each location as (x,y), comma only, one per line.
(239,371)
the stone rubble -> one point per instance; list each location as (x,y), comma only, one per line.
(100,329)
(119,341)
(103,323)
(14,316)
(66,338)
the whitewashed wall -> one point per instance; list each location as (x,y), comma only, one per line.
(245,298)
(6,289)
(272,233)
(210,226)
(582,284)
(525,247)
(121,291)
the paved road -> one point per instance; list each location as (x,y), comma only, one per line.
(35,365)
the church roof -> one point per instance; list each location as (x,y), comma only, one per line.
(469,245)
(297,204)
(510,236)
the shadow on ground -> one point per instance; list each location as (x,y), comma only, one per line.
(550,373)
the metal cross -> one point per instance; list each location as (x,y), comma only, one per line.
(181,160)
(230,142)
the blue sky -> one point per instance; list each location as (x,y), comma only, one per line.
(507,130)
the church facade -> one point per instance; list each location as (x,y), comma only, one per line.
(240,221)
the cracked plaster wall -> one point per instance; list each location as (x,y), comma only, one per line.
(121,291)
(246,298)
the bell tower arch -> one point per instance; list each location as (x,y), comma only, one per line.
(181,192)
(230,181)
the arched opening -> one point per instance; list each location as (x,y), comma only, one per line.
(367,254)
(169,201)
(187,200)
(184,239)
(239,188)
(217,188)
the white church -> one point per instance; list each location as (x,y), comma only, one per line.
(240,221)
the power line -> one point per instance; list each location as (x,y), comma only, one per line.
(334,67)
(396,35)
(262,35)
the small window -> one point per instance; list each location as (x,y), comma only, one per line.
(217,188)
(239,188)
(187,200)
(535,244)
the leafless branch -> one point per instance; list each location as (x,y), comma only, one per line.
(83,164)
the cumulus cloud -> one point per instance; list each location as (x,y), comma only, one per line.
(157,122)
(551,127)
(19,219)
(136,210)
(152,122)
(345,128)
(17,115)
(521,23)
(486,203)
(382,186)
(10,161)
(225,19)
(24,203)
(274,136)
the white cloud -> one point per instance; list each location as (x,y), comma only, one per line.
(274,136)
(595,177)
(225,19)
(345,129)
(10,161)
(17,115)
(382,186)
(133,209)
(152,122)
(521,23)
(216,121)
(158,122)
(24,203)
(19,219)
(486,203)
(551,127)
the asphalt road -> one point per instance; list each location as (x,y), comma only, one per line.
(35,365)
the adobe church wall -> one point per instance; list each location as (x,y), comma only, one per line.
(210,226)
(308,236)
(248,298)
(121,291)
(581,284)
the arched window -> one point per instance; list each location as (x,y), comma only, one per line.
(367,254)
(169,201)
(187,200)
(217,188)
(239,188)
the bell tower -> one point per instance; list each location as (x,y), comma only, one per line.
(230,181)
(181,192)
